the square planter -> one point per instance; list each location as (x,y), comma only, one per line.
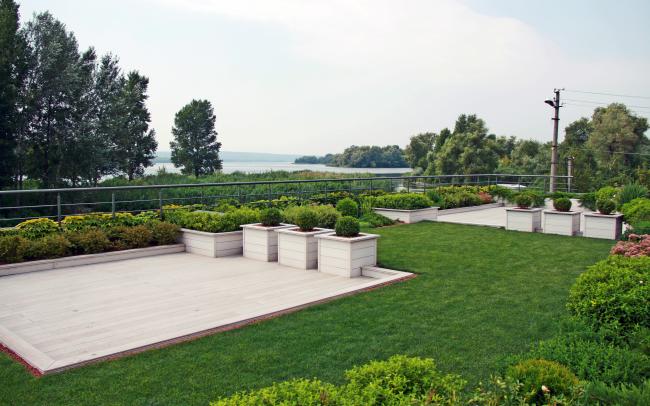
(529,220)
(561,222)
(409,216)
(261,242)
(299,249)
(607,226)
(345,256)
(211,244)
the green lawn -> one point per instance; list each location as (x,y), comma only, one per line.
(481,295)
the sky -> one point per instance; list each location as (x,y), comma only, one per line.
(315,76)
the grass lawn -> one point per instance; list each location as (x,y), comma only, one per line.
(481,294)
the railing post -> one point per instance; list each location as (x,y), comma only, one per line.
(113,204)
(268,202)
(58,208)
(160,203)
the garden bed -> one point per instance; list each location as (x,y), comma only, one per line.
(408,216)
(457,210)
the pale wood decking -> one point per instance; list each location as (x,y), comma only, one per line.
(60,318)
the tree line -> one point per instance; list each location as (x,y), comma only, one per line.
(609,148)
(69,117)
(365,156)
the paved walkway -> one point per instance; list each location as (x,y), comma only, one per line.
(65,317)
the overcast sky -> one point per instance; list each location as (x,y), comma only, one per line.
(315,76)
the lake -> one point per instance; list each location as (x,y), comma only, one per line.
(257,167)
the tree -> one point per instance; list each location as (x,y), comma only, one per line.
(195,147)
(12,73)
(574,146)
(418,148)
(134,144)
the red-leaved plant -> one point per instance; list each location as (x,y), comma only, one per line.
(637,246)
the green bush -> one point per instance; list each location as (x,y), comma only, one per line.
(376,220)
(330,198)
(348,207)
(614,293)
(500,191)
(523,200)
(636,211)
(607,192)
(105,221)
(294,392)
(588,200)
(630,192)
(327,216)
(270,217)
(640,228)
(403,201)
(50,246)
(347,226)
(212,222)
(600,393)
(562,204)
(37,228)
(606,206)
(164,233)
(542,378)
(123,237)
(511,392)
(306,219)
(90,241)
(13,249)
(281,203)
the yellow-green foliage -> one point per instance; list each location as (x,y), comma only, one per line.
(37,228)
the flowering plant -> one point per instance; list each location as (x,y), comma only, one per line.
(636,246)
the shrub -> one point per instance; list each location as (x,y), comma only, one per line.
(12,248)
(606,206)
(37,228)
(614,293)
(164,233)
(636,211)
(50,246)
(562,204)
(640,228)
(606,193)
(212,222)
(588,200)
(330,198)
(306,219)
(541,378)
(508,391)
(500,191)
(327,216)
(124,237)
(281,203)
(347,226)
(271,217)
(294,392)
(403,201)
(636,246)
(630,192)
(348,207)
(599,393)
(89,241)
(376,220)
(485,197)
(523,200)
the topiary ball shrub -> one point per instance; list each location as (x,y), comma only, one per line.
(562,204)
(347,226)
(164,233)
(306,219)
(271,217)
(348,207)
(606,206)
(542,378)
(523,200)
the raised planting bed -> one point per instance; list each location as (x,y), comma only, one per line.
(408,216)
(457,210)
(77,260)
(606,226)
(299,249)
(561,222)
(518,219)
(345,256)
(212,244)
(261,242)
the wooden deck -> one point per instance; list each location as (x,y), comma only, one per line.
(62,318)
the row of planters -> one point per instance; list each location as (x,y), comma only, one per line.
(601,356)
(41,239)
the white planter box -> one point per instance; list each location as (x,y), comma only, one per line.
(561,222)
(607,226)
(529,220)
(344,256)
(212,244)
(457,210)
(299,249)
(77,260)
(409,216)
(261,242)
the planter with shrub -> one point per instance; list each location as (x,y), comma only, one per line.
(605,223)
(297,246)
(260,240)
(405,207)
(562,220)
(523,217)
(346,251)
(212,234)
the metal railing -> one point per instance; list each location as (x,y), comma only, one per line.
(18,205)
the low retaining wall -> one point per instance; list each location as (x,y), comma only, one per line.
(77,260)
(409,216)
(469,208)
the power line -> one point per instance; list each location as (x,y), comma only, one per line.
(609,94)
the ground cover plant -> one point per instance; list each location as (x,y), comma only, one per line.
(466,311)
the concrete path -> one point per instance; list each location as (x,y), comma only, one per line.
(66,317)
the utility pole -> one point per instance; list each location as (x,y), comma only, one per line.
(555,103)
